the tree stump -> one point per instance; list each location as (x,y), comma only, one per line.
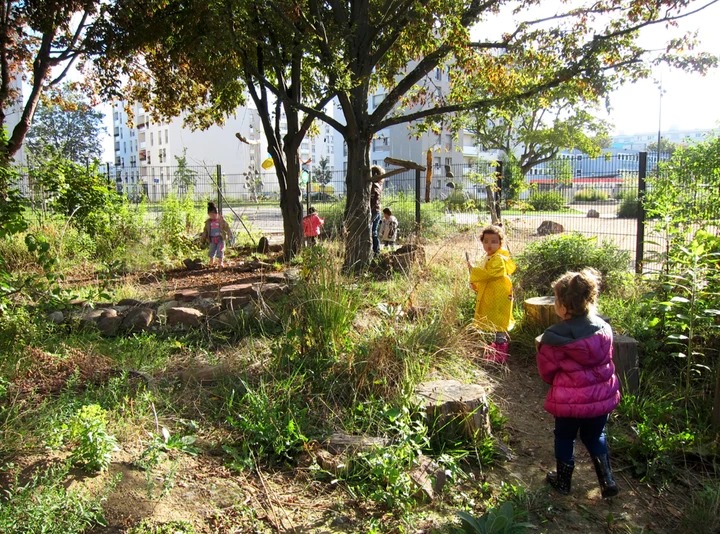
(626,359)
(455,411)
(627,362)
(540,312)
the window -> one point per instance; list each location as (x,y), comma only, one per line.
(578,172)
(377,99)
(166,136)
(151,139)
(448,161)
(438,73)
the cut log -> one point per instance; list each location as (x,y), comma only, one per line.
(627,362)
(540,312)
(626,359)
(455,411)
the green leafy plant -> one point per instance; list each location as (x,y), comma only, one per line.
(270,419)
(590,195)
(547,201)
(629,208)
(171,527)
(497,520)
(92,445)
(44,504)
(543,261)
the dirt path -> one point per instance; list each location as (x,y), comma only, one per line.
(520,394)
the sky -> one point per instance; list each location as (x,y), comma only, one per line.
(688,101)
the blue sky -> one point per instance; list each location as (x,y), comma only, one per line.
(688,101)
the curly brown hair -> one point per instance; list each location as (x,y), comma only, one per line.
(578,291)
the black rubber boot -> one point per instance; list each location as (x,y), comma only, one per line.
(560,480)
(608,487)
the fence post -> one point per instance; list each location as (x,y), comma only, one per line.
(417,199)
(640,235)
(218,178)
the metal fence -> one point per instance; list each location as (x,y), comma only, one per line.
(594,196)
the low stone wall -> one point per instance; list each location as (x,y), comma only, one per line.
(186,309)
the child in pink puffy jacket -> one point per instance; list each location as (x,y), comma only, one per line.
(311,226)
(575,358)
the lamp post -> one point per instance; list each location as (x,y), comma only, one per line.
(657,163)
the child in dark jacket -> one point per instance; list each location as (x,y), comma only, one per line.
(575,358)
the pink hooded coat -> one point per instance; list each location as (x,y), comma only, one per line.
(312,224)
(575,358)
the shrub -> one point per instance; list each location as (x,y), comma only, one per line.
(629,208)
(547,201)
(543,261)
(590,195)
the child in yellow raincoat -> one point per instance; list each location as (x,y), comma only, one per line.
(490,279)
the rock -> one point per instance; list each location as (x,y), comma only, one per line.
(428,476)
(109,325)
(340,442)
(187,317)
(292,275)
(186,295)
(130,302)
(56,317)
(204,304)
(593,214)
(271,291)
(550,228)
(223,321)
(238,290)
(138,319)
(235,303)
(91,316)
(330,462)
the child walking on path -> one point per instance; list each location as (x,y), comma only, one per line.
(388,229)
(575,358)
(216,232)
(311,226)
(490,279)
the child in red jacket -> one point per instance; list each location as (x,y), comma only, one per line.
(311,226)
(575,358)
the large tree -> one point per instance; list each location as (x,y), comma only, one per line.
(39,42)
(204,58)
(294,52)
(396,45)
(66,126)
(535,130)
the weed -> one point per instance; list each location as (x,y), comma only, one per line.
(270,419)
(92,445)
(702,515)
(171,527)
(500,519)
(45,504)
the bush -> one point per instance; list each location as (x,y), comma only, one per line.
(590,195)
(629,208)
(547,201)
(543,261)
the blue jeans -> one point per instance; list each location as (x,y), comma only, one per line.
(592,434)
(375,226)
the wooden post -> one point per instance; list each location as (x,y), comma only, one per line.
(540,312)
(626,359)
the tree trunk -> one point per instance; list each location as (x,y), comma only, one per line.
(291,207)
(358,241)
